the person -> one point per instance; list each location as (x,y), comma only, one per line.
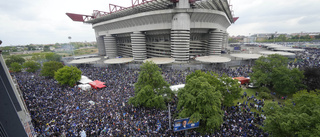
(184,125)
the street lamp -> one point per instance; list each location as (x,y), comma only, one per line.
(274,37)
(71,45)
(299,38)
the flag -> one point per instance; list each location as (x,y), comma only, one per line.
(159,125)
(138,123)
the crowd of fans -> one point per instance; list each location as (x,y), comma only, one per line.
(68,111)
(308,58)
(58,110)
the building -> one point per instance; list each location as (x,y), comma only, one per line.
(176,29)
(15,120)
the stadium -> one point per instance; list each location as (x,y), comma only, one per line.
(176,29)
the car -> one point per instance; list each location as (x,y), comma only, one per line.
(251,85)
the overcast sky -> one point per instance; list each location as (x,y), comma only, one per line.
(44,21)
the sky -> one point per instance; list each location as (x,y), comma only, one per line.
(25,22)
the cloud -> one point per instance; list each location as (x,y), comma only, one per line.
(44,21)
(269,16)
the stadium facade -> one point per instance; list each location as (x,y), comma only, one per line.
(176,29)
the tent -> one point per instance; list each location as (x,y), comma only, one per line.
(92,102)
(84,80)
(84,86)
(176,87)
(97,84)
(243,80)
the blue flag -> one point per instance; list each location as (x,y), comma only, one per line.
(138,123)
(159,125)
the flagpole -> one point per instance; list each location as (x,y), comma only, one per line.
(169,117)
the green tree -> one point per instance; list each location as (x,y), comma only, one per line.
(282,38)
(46,48)
(15,67)
(228,87)
(68,75)
(15,58)
(151,90)
(52,57)
(39,57)
(49,68)
(31,66)
(200,100)
(272,72)
(287,81)
(299,119)
(312,78)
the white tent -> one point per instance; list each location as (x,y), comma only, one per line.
(83,133)
(85,80)
(92,102)
(176,87)
(85,86)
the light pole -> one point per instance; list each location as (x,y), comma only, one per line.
(71,45)
(274,37)
(169,116)
(299,38)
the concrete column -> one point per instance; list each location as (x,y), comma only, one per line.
(110,45)
(139,47)
(225,40)
(180,34)
(180,44)
(100,45)
(215,42)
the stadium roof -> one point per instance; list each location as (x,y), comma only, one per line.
(288,54)
(152,5)
(118,60)
(84,61)
(213,59)
(160,60)
(289,49)
(246,56)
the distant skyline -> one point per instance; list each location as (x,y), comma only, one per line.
(44,22)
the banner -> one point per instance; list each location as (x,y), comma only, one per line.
(184,124)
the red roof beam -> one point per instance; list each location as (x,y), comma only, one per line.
(139,2)
(115,8)
(97,13)
(235,19)
(79,17)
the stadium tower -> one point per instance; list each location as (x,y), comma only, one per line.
(176,29)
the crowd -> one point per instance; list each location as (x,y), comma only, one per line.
(307,58)
(68,111)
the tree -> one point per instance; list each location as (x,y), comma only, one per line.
(287,81)
(13,59)
(312,78)
(31,66)
(52,57)
(272,72)
(46,48)
(15,67)
(151,90)
(282,37)
(200,100)
(298,117)
(49,68)
(39,57)
(228,87)
(68,75)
